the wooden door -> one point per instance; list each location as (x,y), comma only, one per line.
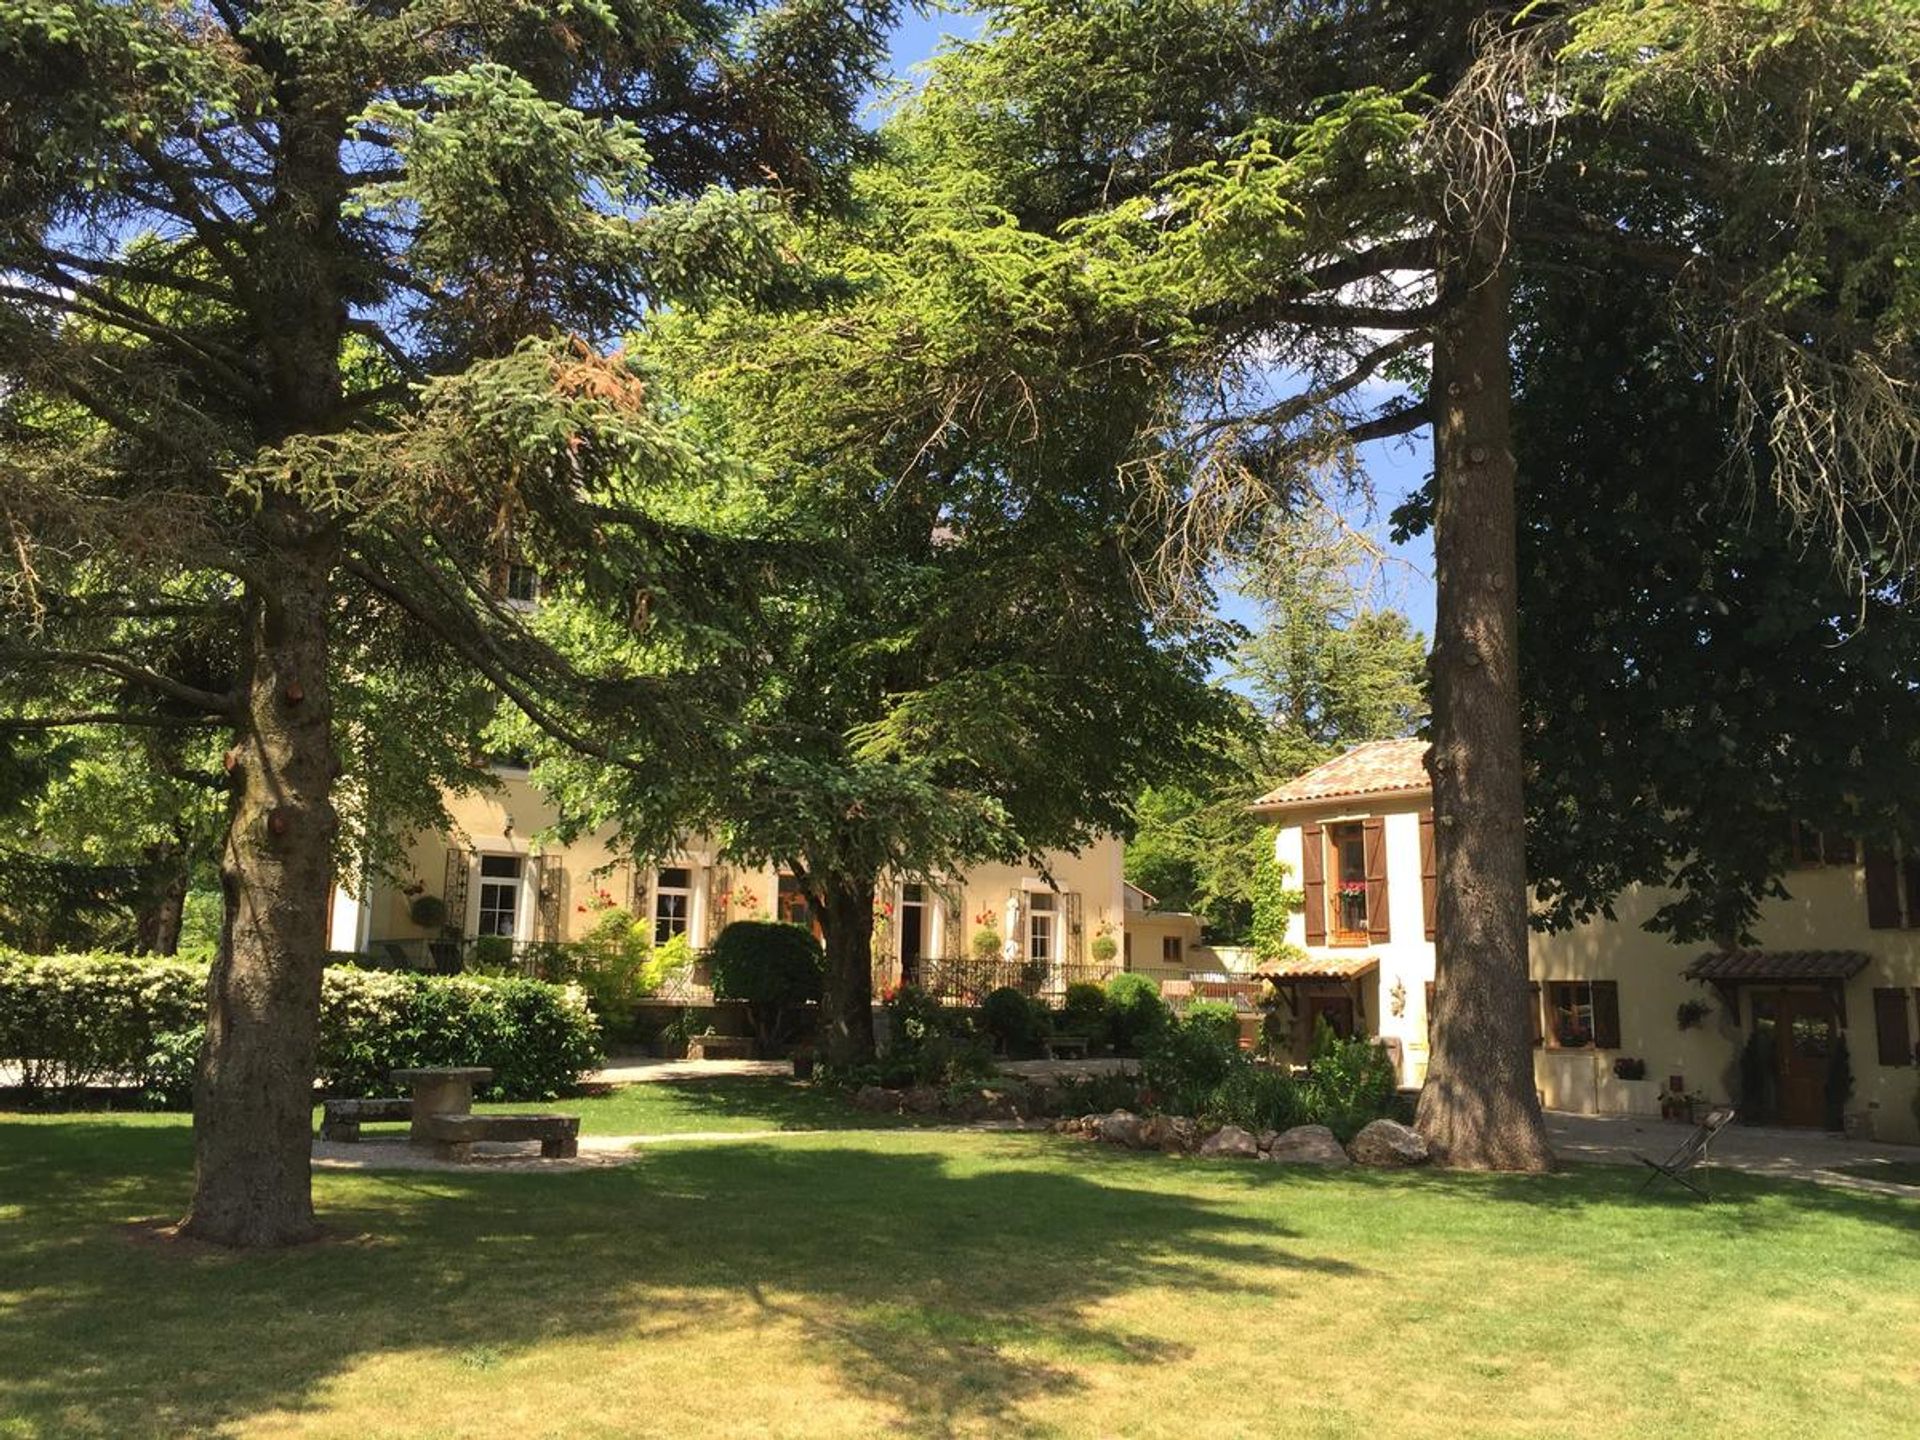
(1804,1044)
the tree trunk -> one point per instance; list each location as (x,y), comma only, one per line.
(1480,1109)
(253,1097)
(163,900)
(846,1000)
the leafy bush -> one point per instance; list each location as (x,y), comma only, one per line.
(985,944)
(1258,1097)
(1097,1094)
(774,967)
(1188,1062)
(1084,1011)
(1217,1013)
(1019,1025)
(1758,1083)
(1839,1086)
(1135,1013)
(928,1044)
(1349,1083)
(68,1022)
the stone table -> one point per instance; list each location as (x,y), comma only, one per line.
(440,1090)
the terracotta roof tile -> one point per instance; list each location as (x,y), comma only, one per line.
(1379,767)
(1778,965)
(1319,967)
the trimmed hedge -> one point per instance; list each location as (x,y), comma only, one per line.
(68,1022)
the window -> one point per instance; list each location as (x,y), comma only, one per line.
(1890,1026)
(1170,949)
(672,903)
(500,885)
(522,586)
(1583,1014)
(1040,920)
(1347,898)
(1813,847)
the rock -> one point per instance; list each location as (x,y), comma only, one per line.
(1183,1135)
(1265,1140)
(878,1098)
(923,1100)
(1122,1127)
(1307,1145)
(1230,1142)
(1388,1144)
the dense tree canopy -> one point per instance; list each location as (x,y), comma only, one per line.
(307,303)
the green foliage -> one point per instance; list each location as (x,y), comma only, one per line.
(1216,1015)
(1274,901)
(1349,1082)
(618,965)
(1099,1093)
(985,944)
(1187,1062)
(1838,1088)
(927,1044)
(1759,1078)
(1260,1097)
(1083,1011)
(774,967)
(69,1022)
(1018,1024)
(1136,1015)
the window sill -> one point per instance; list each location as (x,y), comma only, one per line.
(1349,940)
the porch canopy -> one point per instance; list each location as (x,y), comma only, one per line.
(1776,967)
(1318,967)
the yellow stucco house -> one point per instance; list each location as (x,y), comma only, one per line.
(1840,957)
(493,877)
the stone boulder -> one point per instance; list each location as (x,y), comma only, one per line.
(1307,1145)
(1173,1134)
(1122,1127)
(1389,1145)
(923,1100)
(1230,1142)
(877,1098)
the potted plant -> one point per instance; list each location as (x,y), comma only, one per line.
(1104,948)
(1628,1068)
(1690,1013)
(986,943)
(429,912)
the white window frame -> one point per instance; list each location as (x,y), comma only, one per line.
(525,902)
(1043,912)
(691,891)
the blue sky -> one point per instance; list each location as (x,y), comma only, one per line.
(1394,467)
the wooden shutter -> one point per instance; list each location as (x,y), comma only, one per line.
(1606,1014)
(1883,889)
(1373,834)
(1890,1025)
(1429,876)
(1533,1004)
(1313,880)
(1910,871)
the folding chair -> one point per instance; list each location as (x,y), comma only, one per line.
(1691,1155)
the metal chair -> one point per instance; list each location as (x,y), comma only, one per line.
(1692,1154)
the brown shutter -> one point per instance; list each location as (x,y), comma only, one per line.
(1883,889)
(1890,1025)
(1606,1014)
(1533,1004)
(1373,834)
(1313,880)
(1910,871)
(1429,876)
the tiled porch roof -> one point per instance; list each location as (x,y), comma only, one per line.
(1319,967)
(1379,767)
(1724,965)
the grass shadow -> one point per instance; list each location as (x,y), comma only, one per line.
(893,1264)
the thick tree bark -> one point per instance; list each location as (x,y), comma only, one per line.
(163,900)
(846,1001)
(1480,1108)
(253,1098)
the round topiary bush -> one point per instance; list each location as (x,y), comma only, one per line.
(1135,1012)
(429,912)
(1083,1011)
(772,966)
(1017,1024)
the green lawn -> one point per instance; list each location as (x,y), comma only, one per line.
(948,1284)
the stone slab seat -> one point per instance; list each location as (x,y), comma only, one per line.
(1068,1047)
(720,1047)
(342,1119)
(454,1136)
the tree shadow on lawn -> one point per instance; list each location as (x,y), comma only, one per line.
(950,1289)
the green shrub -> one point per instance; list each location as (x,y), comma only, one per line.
(1217,1013)
(1187,1063)
(774,967)
(1097,1094)
(1135,1013)
(1017,1024)
(985,944)
(1257,1097)
(1349,1083)
(1084,1011)
(72,1021)
(928,1044)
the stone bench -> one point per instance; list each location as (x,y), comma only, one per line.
(342,1119)
(1068,1047)
(454,1136)
(720,1047)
